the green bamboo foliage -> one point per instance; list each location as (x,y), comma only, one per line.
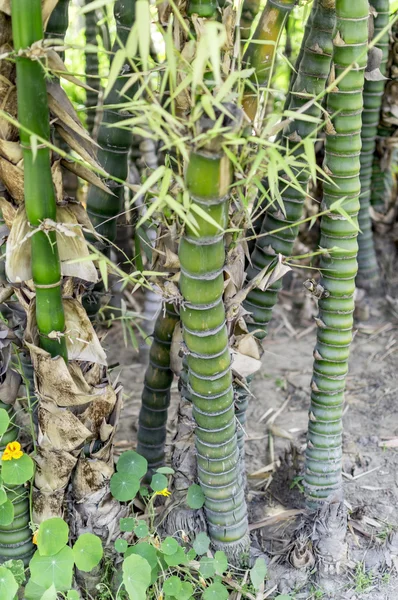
(261,50)
(156,393)
(202,256)
(92,69)
(339,267)
(103,208)
(39,190)
(311,80)
(372,97)
(16,538)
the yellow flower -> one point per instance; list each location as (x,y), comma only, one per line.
(13,450)
(164,492)
(34,538)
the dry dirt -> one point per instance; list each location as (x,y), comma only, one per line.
(283,387)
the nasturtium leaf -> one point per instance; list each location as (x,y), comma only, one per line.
(172,586)
(50,594)
(56,569)
(136,576)
(17,471)
(127,524)
(6,513)
(52,536)
(87,552)
(141,530)
(124,486)
(17,568)
(220,562)
(33,591)
(191,554)
(216,591)
(201,543)
(165,470)
(186,591)
(121,545)
(4,421)
(148,552)
(207,567)
(283,597)
(258,573)
(178,558)
(3,495)
(169,546)
(195,496)
(144,491)
(159,482)
(132,463)
(72,595)
(8,585)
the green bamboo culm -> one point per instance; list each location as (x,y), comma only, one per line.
(103,208)
(311,81)
(92,69)
(40,202)
(155,398)
(16,538)
(339,267)
(261,50)
(203,8)
(202,256)
(58,23)
(368,271)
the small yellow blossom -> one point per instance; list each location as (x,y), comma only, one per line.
(160,597)
(13,450)
(156,542)
(34,538)
(164,492)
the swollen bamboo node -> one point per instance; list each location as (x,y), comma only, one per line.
(311,81)
(155,398)
(202,257)
(368,271)
(338,265)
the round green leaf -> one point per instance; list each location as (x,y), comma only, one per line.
(127,524)
(147,551)
(3,495)
(124,486)
(121,545)
(207,567)
(216,591)
(144,491)
(56,569)
(220,562)
(186,591)
(8,585)
(169,546)
(195,496)
(141,530)
(283,597)
(33,591)
(132,463)
(136,576)
(201,543)
(159,482)
(6,514)
(87,551)
(178,558)
(172,586)
(52,537)
(50,594)
(17,471)
(165,470)
(72,595)
(4,421)
(258,573)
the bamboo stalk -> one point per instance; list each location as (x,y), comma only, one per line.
(202,256)
(39,190)
(155,398)
(339,267)
(368,271)
(92,69)
(58,23)
(261,51)
(310,82)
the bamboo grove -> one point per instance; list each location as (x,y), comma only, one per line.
(207,141)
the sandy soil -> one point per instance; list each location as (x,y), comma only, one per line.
(277,422)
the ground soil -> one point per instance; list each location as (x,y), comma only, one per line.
(275,445)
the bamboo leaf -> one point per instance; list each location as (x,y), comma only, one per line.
(116,66)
